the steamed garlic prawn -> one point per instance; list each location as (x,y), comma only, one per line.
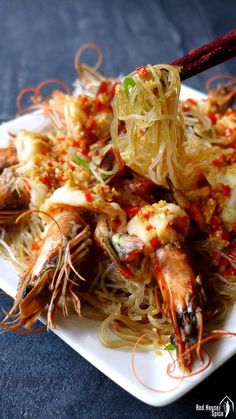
(19,190)
(157,233)
(14,195)
(210,128)
(64,244)
(8,157)
(163,227)
(84,118)
(53,270)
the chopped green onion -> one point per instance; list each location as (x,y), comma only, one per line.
(170,347)
(80,161)
(128,82)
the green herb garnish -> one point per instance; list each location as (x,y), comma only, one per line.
(170,347)
(128,82)
(80,161)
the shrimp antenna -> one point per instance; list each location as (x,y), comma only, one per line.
(84,47)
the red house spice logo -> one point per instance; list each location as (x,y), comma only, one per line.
(224,409)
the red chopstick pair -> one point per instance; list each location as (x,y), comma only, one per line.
(207,56)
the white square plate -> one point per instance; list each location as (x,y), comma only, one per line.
(82,334)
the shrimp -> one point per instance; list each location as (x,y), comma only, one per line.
(226,176)
(111,223)
(181,298)
(14,195)
(162,228)
(18,193)
(64,244)
(83,117)
(30,144)
(94,200)
(8,157)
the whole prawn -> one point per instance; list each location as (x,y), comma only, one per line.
(157,232)
(52,272)
(64,244)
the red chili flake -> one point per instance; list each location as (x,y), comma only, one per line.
(45,179)
(149,227)
(132,211)
(226,190)
(147,215)
(35,246)
(85,152)
(71,167)
(104,87)
(50,164)
(229,112)
(212,116)
(228,132)
(76,143)
(88,196)
(99,105)
(108,89)
(217,162)
(192,102)
(155,242)
(185,107)
(142,71)
(60,178)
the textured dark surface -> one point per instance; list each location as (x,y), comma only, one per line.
(41,377)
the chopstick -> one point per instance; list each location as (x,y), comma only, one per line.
(207,56)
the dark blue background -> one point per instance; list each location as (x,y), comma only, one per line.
(41,377)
